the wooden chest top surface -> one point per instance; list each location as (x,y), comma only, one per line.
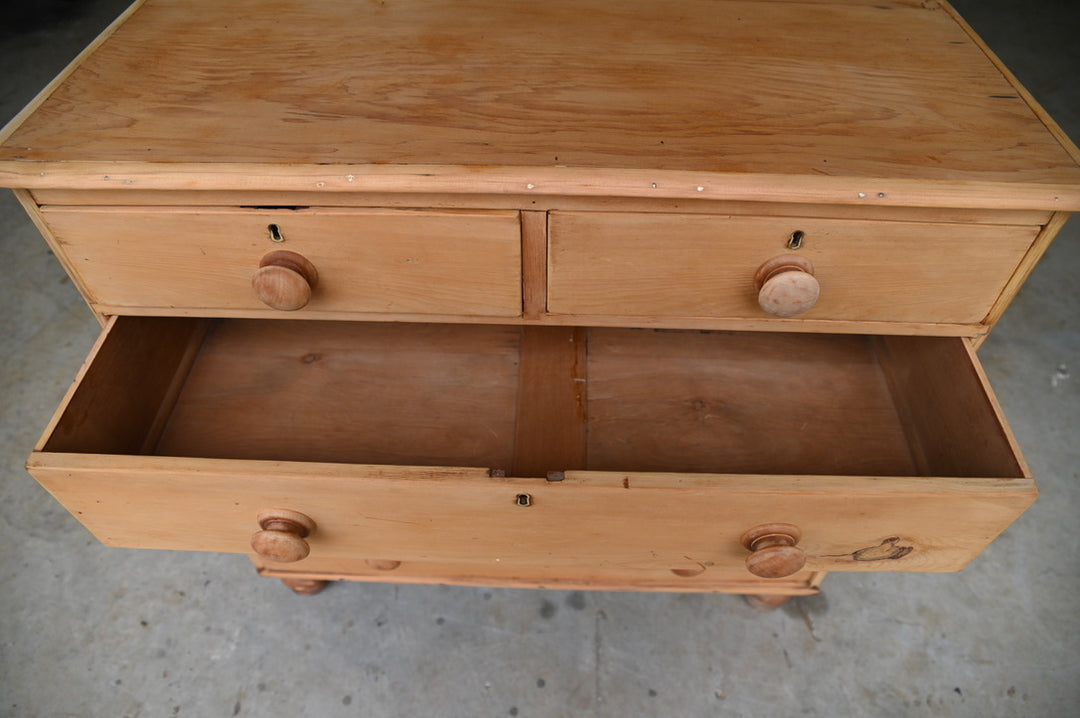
(889,101)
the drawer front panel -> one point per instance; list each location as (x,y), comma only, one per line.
(641,265)
(369,261)
(610,528)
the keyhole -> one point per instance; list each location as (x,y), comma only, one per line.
(523,500)
(796,239)
(275,233)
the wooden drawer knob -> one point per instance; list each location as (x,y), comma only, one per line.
(282,536)
(773,550)
(284,280)
(786,285)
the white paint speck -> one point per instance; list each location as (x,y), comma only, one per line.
(1059,376)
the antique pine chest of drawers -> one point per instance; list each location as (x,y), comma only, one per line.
(632,295)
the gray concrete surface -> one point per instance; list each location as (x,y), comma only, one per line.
(91,631)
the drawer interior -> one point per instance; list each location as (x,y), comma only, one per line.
(533,400)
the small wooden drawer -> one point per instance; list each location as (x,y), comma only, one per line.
(536,456)
(666,265)
(202,261)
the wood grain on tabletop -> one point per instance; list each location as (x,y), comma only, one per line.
(729,87)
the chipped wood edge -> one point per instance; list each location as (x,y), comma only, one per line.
(16,121)
(1020,487)
(528,181)
(782,587)
(153,465)
(817,326)
(854,486)
(65,200)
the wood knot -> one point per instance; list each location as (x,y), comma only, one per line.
(887,550)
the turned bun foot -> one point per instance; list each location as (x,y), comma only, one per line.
(305,586)
(766,603)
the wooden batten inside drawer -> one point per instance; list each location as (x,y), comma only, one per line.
(418,442)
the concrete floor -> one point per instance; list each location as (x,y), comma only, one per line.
(91,631)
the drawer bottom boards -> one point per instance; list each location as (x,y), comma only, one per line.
(536,456)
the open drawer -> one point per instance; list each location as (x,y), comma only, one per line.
(536,456)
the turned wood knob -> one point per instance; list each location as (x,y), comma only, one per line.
(773,550)
(282,536)
(786,285)
(284,280)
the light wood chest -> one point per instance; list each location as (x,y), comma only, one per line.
(636,295)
